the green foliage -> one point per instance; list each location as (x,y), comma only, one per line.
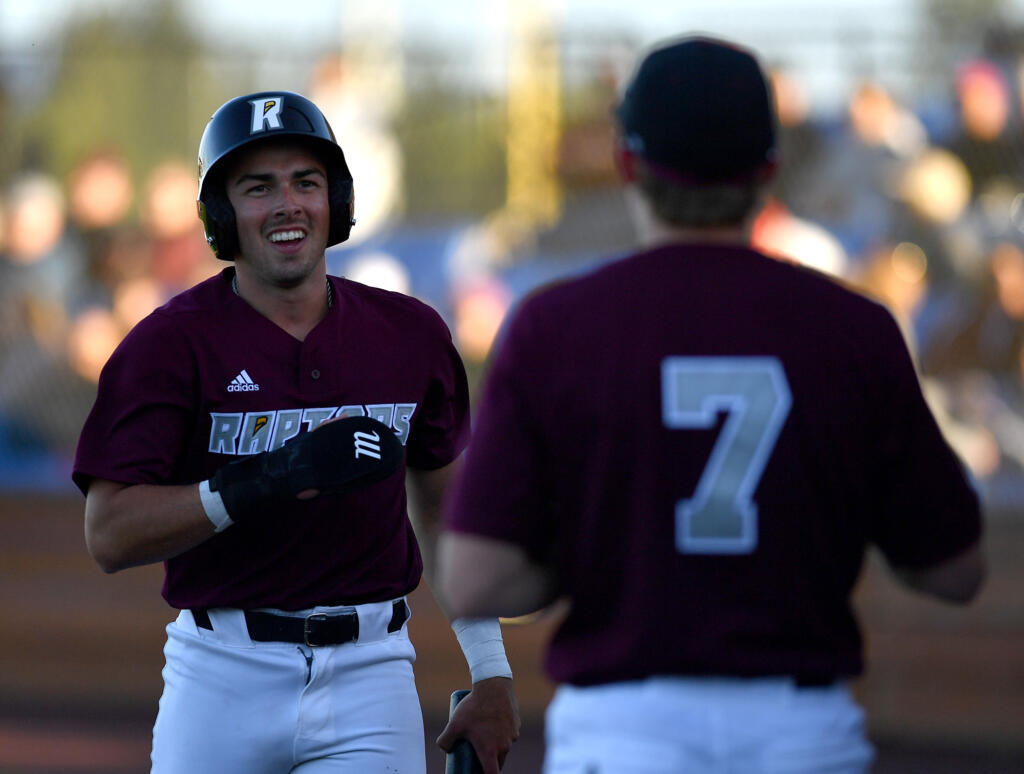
(9,140)
(134,84)
(453,148)
(141,83)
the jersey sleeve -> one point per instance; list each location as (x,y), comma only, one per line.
(927,509)
(144,405)
(441,428)
(499,491)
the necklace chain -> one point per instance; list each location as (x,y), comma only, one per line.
(330,290)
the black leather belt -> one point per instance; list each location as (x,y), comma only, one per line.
(314,629)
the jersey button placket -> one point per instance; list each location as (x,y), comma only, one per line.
(313,374)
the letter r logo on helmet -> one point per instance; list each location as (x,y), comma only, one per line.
(266,113)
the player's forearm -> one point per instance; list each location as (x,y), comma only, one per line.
(479,638)
(482,577)
(127,526)
(425,493)
(130,525)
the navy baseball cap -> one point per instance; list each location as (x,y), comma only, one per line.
(698,110)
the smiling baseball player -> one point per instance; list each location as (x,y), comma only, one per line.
(259,434)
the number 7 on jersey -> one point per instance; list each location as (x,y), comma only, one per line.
(721,516)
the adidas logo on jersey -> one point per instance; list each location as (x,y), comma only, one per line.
(243,383)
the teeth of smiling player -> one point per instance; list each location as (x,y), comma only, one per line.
(286,236)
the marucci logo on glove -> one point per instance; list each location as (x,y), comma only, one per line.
(257,485)
(367,445)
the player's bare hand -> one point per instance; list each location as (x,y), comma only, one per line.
(489,719)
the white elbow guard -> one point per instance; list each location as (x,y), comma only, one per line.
(481,643)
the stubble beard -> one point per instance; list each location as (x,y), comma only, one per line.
(286,272)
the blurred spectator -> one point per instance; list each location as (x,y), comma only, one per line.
(100,191)
(181,257)
(100,197)
(934,210)
(94,335)
(140,269)
(977,359)
(932,195)
(41,269)
(480,304)
(850,195)
(988,145)
(880,121)
(800,141)
(129,256)
(780,233)
(36,212)
(990,336)
(897,276)
(41,266)
(936,186)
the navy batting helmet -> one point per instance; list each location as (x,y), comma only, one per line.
(258,117)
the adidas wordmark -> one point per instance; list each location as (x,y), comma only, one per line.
(243,383)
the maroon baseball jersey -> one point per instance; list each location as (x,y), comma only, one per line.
(206,378)
(702,441)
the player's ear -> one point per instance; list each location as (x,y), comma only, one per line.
(625,162)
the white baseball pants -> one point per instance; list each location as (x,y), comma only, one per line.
(669,725)
(233,705)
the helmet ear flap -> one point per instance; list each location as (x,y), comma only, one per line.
(218,217)
(340,198)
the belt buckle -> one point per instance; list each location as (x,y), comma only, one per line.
(321,617)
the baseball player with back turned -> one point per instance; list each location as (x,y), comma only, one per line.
(695,445)
(259,434)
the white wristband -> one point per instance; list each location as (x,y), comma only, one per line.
(481,643)
(213,504)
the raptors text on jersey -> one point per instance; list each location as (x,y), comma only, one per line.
(252,432)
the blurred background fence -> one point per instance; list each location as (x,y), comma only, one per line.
(480,142)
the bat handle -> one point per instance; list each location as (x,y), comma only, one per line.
(462,758)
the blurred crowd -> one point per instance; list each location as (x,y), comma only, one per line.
(917,205)
(81,261)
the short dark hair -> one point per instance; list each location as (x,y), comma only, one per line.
(698,206)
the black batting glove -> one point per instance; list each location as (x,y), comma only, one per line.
(336,457)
